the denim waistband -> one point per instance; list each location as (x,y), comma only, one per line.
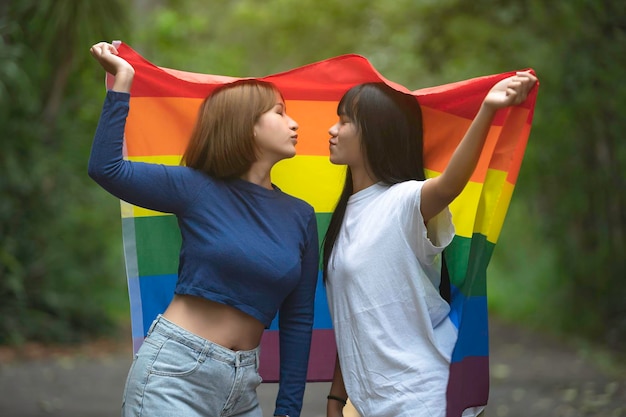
(173,331)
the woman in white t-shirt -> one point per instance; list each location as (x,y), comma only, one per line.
(382,251)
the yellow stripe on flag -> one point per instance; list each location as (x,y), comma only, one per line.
(464,209)
(311,178)
(129,210)
(481,207)
(158,159)
(503,191)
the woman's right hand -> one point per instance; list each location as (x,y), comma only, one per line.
(107,56)
(510,91)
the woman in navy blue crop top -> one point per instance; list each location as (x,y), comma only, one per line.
(248,251)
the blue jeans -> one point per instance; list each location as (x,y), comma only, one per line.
(176,373)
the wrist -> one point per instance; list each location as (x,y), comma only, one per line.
(336,398)
(123,80)
(488,108)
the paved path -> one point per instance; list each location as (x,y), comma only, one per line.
(531,377)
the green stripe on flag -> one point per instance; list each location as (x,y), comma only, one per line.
(323,220)
(469,273)
(158,245)
(158,242)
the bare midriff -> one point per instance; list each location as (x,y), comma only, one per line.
(219,323)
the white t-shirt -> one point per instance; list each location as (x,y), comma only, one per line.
(394,336)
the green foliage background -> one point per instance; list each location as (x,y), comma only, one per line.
(560,261)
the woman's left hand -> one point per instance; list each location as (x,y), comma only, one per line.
(510,91)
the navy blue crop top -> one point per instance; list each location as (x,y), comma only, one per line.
(242,245)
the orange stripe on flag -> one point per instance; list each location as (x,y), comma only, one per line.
(443,132)
(314,119)
(512,143)
(160,126)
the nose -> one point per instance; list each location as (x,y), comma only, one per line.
(293,125)
(334,130)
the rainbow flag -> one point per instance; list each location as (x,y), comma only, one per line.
(163,108)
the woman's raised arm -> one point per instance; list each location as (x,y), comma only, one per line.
(438,192)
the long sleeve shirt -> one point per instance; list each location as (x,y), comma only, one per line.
(243,245)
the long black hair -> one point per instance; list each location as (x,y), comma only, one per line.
(389,123)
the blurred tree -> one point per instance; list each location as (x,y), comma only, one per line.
(573,182)
(56,268)
(579,194)
(569,258)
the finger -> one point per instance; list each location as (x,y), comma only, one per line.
(106,48)
(112,49)
(99,48)
(103,48)
(511,94)
(515,85)
(100,45)
(96,50)
(511,90)
(526,84)
(527,76)
(521,96)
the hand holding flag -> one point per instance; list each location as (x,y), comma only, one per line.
(108,57)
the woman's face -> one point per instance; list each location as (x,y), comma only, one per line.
(275,134)
(345,144)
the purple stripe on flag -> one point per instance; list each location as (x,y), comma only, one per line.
(321,363)
(468,385)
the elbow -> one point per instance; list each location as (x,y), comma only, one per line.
(95,172)
(103,174)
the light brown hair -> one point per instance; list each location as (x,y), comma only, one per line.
(222,141)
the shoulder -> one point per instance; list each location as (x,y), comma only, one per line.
(302,212)
(408,186)
(296,202)
(182,172)
(411,189)
(193,183)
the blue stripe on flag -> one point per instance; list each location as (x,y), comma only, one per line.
(156,293)
(474,333)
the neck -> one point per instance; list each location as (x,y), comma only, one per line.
(259,175)
(361,179)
